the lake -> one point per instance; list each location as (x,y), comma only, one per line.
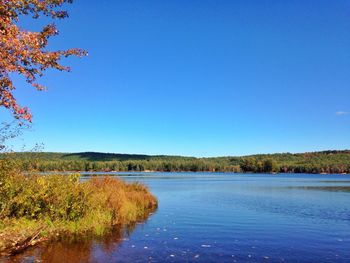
(214,217)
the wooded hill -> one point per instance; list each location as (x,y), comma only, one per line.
(311,162)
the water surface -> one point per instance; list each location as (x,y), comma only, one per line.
(212,217)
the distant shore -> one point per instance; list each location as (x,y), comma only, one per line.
(325,162)
(149,171)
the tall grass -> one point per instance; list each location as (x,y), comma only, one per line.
(57,204)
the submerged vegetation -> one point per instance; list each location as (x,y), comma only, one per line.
(314,162)
(34,207)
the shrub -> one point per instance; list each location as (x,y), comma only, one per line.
(62,203)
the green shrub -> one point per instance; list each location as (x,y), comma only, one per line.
(62,203)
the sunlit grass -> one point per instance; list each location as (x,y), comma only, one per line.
(62,204)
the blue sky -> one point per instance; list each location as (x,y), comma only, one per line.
(199,78)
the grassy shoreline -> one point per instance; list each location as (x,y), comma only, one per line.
(17,235)
(35,208)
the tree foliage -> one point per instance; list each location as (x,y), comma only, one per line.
(315,162)
(25,52)
(252,164)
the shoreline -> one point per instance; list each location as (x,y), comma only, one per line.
(48,207)
(13,242)
(212,172)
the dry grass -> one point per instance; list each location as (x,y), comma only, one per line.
(61,204)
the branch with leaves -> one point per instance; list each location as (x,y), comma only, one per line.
(25,52)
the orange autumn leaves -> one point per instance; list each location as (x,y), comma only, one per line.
(25,52)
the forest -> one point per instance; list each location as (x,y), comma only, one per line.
(310,162)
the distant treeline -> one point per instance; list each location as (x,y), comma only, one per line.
(132,165)
(313,162)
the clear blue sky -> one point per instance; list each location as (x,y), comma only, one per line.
(199,77)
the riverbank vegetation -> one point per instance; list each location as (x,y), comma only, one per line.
(34,207)
(314,162)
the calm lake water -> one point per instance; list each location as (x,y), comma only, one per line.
(207,217)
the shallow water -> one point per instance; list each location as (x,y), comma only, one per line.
(207,217)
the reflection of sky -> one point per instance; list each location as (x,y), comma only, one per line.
(215,217)
(220,217)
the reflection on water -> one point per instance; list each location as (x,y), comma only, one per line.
(78,248)
(324,188)
(205,217)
